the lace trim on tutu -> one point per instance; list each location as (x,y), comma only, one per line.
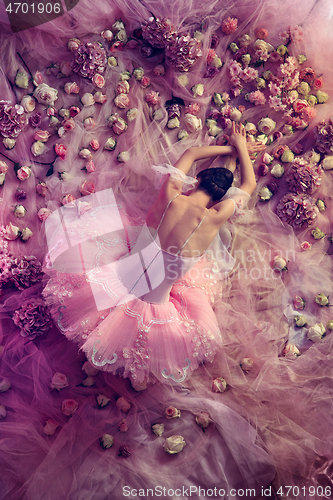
(175,173)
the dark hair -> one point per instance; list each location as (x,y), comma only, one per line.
(215,182)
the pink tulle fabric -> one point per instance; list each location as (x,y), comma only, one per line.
(271,428)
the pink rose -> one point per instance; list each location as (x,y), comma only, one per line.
(291,351)
(11,232)
(41,135)
(68,124)
(59,381)
(153,98)
(74,110)
(89,369)
(69,407)
(66,67)
(94,144)
(68,198)
(306,245)
(87,187)
(308,114)
(3,167)
(246,364)
(98,80)
(41,189)
(71,88)
(298,303)
(229,25)
(50,427)
(87,99)
(90,166)
(261,33)
(73,44)
(203,419)
(123,404)
(172,412)
(123,426)
(89,123)
(84,207)
(318,82)
(38,78)
(159,70)
(43,214)
(122,101)
(122,87)
(60,150)
(145,82)
(23,173)
(119,127)
(299,105)
(100,97)
(219,385)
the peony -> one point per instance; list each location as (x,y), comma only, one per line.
(219,384)
(157,429)
(158,32)
(123,404)
(5,385)
(38,148)
(303,176)
(257,98)
(174,444)
(87,187)
(321,299)
(106,441)
(172,412)
(32,318)
(71,88)
(45,94)
(192,123)
(279,264)
(316,332)
(43,214)
(291,351)
(50,427)
(123,426)
(102,400)
(122,101)
(266,125)
(229,25)
(98,80)
(87,99)
(28,103)
(69,407)
(59,381)
(203,419)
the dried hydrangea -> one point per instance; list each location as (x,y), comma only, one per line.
(304,177)
(25,271)
(183,52)
(158,32)
(297,210)
(323,133)
(90,58)
(12,120)
(33,318)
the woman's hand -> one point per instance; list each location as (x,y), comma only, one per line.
(238,136)
(255,147)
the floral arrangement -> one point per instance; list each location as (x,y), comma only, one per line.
(12,120)
(33,318)
(323,134)
(303,176)
(298,210)
(89,59)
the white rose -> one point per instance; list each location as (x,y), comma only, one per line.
(26,234)
(214,130)
(216,62)
(85,154)
(158,114)
(3,412)
(38,148)
(112,61)
(132,114)
(4,385)
(316,332)
(327,163)
(265,194)
(291,351)
(182,80)
(118,25)
(138,73)
(300,321)
(198,89)
(28,103)
(174,444)
(107,35)
(250,128)
(312,156)
(279,264)
(106,441)
(158,429)
(8,142)
(20,211)
(266,125)
(198,35)
(260,45)
(277,170)
(22,80)
(192,122)
(87,99)
(110,144)
(173,123)
(262,138)
(45,94)
(123,157)
(235,115)
(182,134)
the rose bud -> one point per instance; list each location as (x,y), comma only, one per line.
(43,214)
(59,381)
(5,385)
(219,384)
(3,411)
(87,187)
(26,233)
(306,245)
(85,154)
(102,400)
(112,62)
(20,211)
(60,150)
(110,144)
(316,332)
(159,70)
(94,144)
(157,429)
(20,195)
(89,123)
(123,404)
(73,44)
(122,101)
(69,407)
(279,264)
(90,166)
(3,167)
(88,382)
(291,351)
(100,97)
(106,441)
(172,412)
(300,321)
(8,142)
(329,325)
(22,80)
(263,169)
(321,299)
(203,419)
(107,35)
(68,198)
(124,451)
(74,110)
(50,427)
(71,88)
(123,426)
(246,364)
(123,157)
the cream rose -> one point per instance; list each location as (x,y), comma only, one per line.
(85,154)
(122,101)
(266,125)
(203,419)
(279,264)
(22,80)
(300,321)
(132,114)
(316,332)
(110,144)
(157,429)
(50,427)
(174,444)
(327,163)
(20,211)
(3,167)
(277,170)
(8,142)
(171,412)
(102,400)
(123,157)
(192,123)
(321,300)
(173,123)
(45,94)
(59,381)
(87,99)
(198,89)
(106,441)
(246,364)
(28,103)
(26,233)
(38,148)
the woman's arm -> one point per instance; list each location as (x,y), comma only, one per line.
(197,153)
(238,140)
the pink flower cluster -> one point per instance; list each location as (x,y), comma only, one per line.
(158,32)
(304,177)
(89,59)
(323,133)
(25,271)
(33,318)
(183,52)
(297,210)
(12,120)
